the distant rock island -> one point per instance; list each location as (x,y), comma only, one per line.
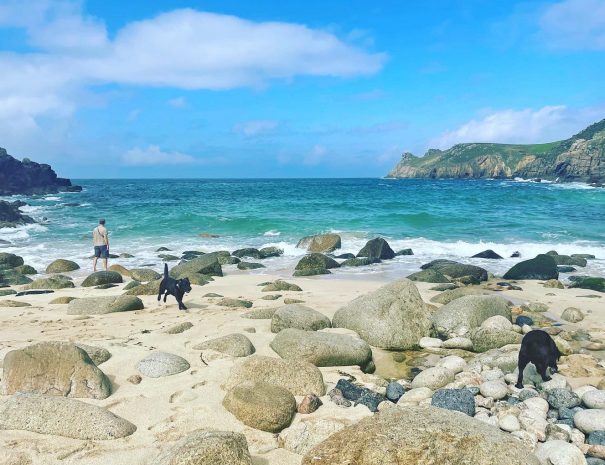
(580,158)
(29,178)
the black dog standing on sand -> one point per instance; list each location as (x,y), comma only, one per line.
(176,287)
(538,348)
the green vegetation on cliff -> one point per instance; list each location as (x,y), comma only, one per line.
(579,158)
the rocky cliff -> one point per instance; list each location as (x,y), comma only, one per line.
(579,158)
(28,177)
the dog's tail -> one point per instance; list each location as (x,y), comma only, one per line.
(165,270)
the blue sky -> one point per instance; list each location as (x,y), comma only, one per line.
(289,89)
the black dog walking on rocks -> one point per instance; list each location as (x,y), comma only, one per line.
(175,287)
(540,349)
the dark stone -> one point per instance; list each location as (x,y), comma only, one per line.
(542,267)
(360,261)
(489,253)
(404,252)
(524,320)
(247,252)
(515,255)
(588,282)
(594,461)
(106,286)
(394,391)
(509,286)
(429,276)
(566,421)
(569,261)
(587,256)
(163,249)
(267,252)
(552,414)
(10,260)
(27,177)
(360,395)
(513,401)
(377,248)
(313,264)
(460,400)
(568,413)
(596,438)
(34,292)
(249,266)
(527,394)
(11,216)
(455,270)
(345,256)
(566,269)
(102,277)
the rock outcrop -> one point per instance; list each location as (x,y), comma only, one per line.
(11,216)
(579,158)
(27,177)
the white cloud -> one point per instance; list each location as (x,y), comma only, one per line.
(153,155)
(547,124)
(574,24)
(315,155)
(179,102)
(255,127)
(184,49)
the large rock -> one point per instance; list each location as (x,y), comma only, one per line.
(10,260)
(206,264)
(11,216)
(150,288)
(323,349)
(321,243)
(559,452)
(159,364)
(102,305)
(489,253)
(307,433)
(235,345)
(261,405)
(297,376)
(420,436)
(429,276)
(27,177)
(97,354)
(144,274)
(588,282)
(363,261)
(572,314)
(460,400)
(457,270)
(447,296)
(52,282)
(248,252)
(62,266)
(9,277)
(299,317)
(208,447)
(61,417)
(102,277)
(590,420)
(393,317)
(314,263)
(485,339)
(56,369)
(377,248)
(542,267)
(566,260)
(433,378)
(461,315)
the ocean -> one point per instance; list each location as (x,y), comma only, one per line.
(436,218)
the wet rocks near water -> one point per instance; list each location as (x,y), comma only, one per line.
(196,268)
(234,345)
(62,266)
(314,264)
(297,376)
(11,216)
(404,252)
(441,435)
(377,248)
(364,261)
(299,317)
(102,277)
(429,276)
(261,405)
(456,270)
(119,269)
(62,417)
(541,267)
(461,400)
(566,260)
(360,395)
(566,269)
(249,252)
(54,368)
(159,364)
(323,349)
(103,305)
(271,251)
(249,266)
(321,243)
(208,447)
(588,282)
(393,317)
(489,253)
(144,274)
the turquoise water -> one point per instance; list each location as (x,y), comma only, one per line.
(436,218)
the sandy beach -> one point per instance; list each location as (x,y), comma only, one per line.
(166,409)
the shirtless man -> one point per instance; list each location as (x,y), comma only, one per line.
(100,241)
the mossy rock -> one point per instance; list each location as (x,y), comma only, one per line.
(120,269)
(150,288)
(102,277)
(10,260)
(588,282)
(62,266)
(131,285)
(144,274)
(25,270)
(12,278)
(429,276)
(52,282)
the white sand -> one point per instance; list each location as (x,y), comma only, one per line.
(165,409)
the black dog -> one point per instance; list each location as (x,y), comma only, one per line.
(176,287)
(538,348)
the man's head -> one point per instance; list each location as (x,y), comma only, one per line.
(102,221)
